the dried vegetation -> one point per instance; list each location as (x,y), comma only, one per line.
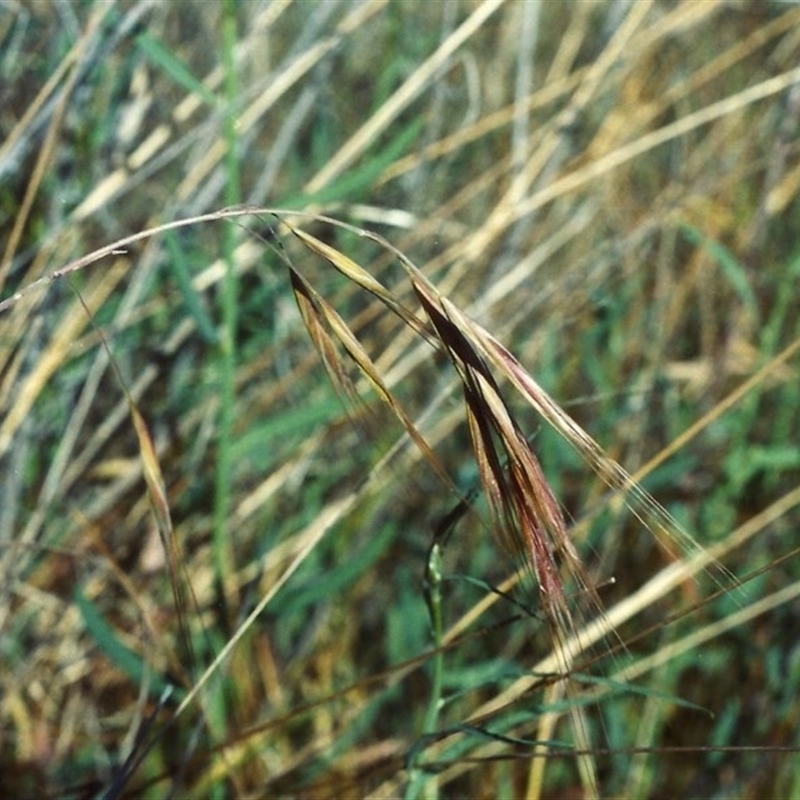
(280,516)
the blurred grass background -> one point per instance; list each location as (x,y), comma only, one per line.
(609,187)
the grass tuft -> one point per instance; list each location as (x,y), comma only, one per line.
(399,399)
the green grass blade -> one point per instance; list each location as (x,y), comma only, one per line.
(731,268)
(357,181)
(223,550)
(107,640)
(193,301)
(161,57)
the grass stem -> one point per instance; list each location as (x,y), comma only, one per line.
(227,349)
(433,593)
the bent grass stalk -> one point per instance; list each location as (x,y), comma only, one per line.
(527,517)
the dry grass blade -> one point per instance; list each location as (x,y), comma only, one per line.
(45,155)
(600,203)
(363,279)
(415,84)
(616,158)
(157,494)
(318,314)
(159,505)
(308,302)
